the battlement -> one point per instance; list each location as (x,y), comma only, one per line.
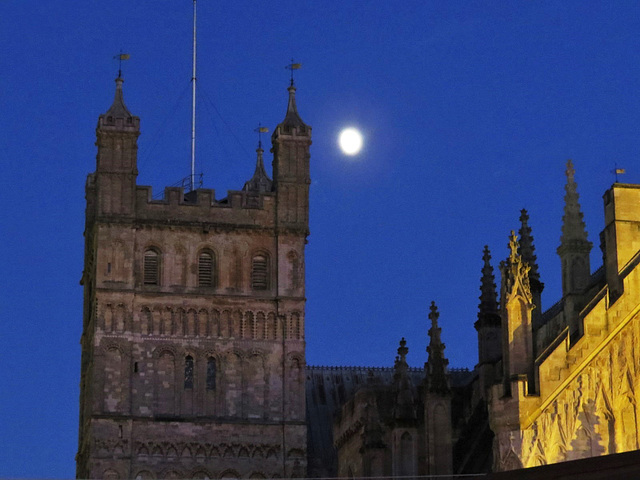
(239,208)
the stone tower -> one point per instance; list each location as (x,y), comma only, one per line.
(193,350)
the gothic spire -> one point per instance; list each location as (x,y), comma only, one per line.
(260,182)
(574,247)
(437,363)
(488,307)
(526,248)
(404,406)
(292,118)
(573,227)
(118,109)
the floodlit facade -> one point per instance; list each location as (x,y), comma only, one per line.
(193,348)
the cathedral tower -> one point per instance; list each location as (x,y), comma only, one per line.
(193,350)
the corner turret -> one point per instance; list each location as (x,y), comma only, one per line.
(116,167)
(404,408)
(515,309)
(260,182)
(291,141)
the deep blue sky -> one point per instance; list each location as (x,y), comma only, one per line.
(469,110)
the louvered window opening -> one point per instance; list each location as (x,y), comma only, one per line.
(259,273)
(205,270)
(188,372)
(151,267)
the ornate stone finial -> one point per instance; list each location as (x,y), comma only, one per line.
(527,248)
(436,365)
(488,293)
(260,182)
(514,271)
(513,247)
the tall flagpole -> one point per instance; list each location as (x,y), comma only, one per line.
(193,105)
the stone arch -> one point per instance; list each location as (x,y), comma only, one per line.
(110,474)
(119,318)
(186,452)
(294,270)
(172,452)
(295,326)
(144,475)
(172,475)
(406,455)
(260,326)
(207,267)
(260,270)
(152,265)
(236,324)
(114,378)
(225,324)
(204,323)
(191,323)
(142,451)
(255,375)
(243,452)
(249,330)
(115,266)
(107,318)
(200,453)
(146,322)
(157,451)
(214,327)
(229,474)
(165,381)
(201,474)
(233,384)
(179,273)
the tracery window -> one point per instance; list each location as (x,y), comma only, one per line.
(260,272)
(188,372)
(151,275)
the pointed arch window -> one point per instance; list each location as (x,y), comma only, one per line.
(260,272)
(188,372)
(206,269)
(211,373)
(151,275)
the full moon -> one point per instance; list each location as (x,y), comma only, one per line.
(350,141)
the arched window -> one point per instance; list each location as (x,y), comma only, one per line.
(206,270)
(260,272)
(188,372)
(211,373)
(151,267)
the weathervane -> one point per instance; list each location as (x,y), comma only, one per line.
(293,66)
(618,171)
(121,56)
(260,130)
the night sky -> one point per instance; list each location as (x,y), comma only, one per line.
(469,112)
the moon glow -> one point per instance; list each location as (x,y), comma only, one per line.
(350,141)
